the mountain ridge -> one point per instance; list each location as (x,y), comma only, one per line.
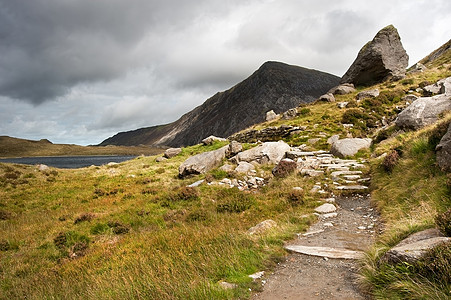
(274,86)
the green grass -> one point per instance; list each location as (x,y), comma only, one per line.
(408,198)
(128,231)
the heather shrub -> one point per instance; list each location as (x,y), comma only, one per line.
(436,264)
(390,160)
(443,222)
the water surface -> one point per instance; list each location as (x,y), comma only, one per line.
(68,162)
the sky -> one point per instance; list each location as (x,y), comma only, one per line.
(80,71)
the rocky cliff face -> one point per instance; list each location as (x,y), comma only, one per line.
(378,60)
(274,86)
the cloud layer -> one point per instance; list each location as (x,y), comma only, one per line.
(78,71)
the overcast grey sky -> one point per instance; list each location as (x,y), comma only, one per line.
(79,71)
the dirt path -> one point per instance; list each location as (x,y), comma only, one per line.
(317,277)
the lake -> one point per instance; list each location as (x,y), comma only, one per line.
(68,162)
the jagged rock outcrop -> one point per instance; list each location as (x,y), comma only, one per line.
(444,151)
(423,111)
(274,86)
(380,59)
(349,146)
(211,139)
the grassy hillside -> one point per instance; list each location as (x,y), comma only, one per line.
(134,230)
(14,147)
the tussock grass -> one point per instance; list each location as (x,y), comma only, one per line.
(134,231)
(409,196)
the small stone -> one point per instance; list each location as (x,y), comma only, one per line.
(197,183)
(361,227)
(328,224)
(326,208)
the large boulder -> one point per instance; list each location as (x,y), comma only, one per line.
(349,146)
(171,152)
(271,115)
(415,246)
(342,89)
(380,59)
(444,151)
(443,86)
(203,162)
(368,94)
(269,152)
(423,111)
(211,139)
(329,97)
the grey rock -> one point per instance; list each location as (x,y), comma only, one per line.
(244,167)
(203,162)
(444,151)
(227,285)
(290,114)
(349,146)
(423,111)
(297,154)
(342,105)
(326,208)
(329,97)
(342,89)
(380,59)
(262,227)
(42,167)
(234,148)
(414,247)
(368,94)
(328,252)
(211,139)
(442,86)
(269,152)
(227,168)
(333,139)
(171,152)
(311,173)
(417,68)
(197,183)
(271,115)
(160,159)
(351,187)
(409,98)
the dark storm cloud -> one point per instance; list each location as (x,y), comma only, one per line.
(49,46)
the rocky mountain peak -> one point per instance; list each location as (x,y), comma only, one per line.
(274,86)
(380,59)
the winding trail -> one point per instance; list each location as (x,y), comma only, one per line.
(312,270)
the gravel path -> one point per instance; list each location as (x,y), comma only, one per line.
(316,277)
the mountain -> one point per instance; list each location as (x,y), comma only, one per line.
(274,86)
(16,147)
(438,57)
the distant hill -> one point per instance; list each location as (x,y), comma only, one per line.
(274,86)
(15,147)
(439,56)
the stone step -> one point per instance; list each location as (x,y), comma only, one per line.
(351,187)
(328,252)
(340,173)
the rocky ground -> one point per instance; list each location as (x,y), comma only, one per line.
(322,263)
